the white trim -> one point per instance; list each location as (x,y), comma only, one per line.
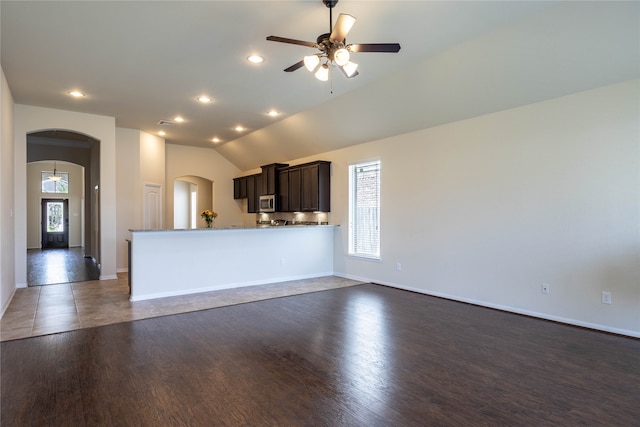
(108,277)
(8,303)
(363,257)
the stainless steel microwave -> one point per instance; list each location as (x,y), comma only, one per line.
(267,203)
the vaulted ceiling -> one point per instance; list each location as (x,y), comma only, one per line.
(146,61)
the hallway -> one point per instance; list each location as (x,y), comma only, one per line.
(54,266)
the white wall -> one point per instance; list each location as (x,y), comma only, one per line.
(140,159)
(7,201)
(128,193)
(181,202)
(35,196)
(488,209)
(32,119)
(152,163)
(184,161)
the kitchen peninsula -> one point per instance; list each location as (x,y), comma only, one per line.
(177,262)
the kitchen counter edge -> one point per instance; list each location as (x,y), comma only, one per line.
(255,227)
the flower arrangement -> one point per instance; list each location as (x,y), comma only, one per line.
(209,216)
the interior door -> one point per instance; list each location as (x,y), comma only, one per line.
(152,206)
(55,223)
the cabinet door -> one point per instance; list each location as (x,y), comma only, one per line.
(258,179)
(283,190)
(295,181)
(251,194)
(310,188)
(240,188)
(324,187)
(316,187)
(269,179)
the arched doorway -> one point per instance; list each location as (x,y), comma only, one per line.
(78,156)
(191,195)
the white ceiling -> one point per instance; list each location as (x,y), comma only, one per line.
(146,61)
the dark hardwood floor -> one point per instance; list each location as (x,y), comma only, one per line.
(364,355)
(53,266)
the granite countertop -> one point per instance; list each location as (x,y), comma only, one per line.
(253,227)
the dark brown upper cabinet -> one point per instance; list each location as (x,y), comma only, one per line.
(254,187)
(300,188)
(309,187)
(270,178)
(283,190)
(240,188)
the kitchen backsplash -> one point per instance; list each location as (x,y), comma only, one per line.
(293,218)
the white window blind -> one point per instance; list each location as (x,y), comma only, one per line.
(364,209)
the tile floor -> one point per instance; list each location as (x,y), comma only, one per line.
(42,310)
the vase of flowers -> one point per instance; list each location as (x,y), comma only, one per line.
(209,216)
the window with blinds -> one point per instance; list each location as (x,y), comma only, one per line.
(364,210)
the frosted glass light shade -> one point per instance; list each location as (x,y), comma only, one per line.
(311,62)
(323,73)
(341,56)
(350,68)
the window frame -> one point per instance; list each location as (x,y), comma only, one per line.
(352,231)
(44,177)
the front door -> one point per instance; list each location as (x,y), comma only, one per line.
(55,223)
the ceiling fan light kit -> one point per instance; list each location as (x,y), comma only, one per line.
(333,48)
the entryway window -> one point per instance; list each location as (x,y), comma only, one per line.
(364,209)
(55,214)
(55,182)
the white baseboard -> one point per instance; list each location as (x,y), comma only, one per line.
(509,309)
(6,305)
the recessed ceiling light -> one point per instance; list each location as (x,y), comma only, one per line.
(204,99)
(239,128)
(216,139)
(178,119)
(273,113)
(255,59)
(162,133)
(76,93)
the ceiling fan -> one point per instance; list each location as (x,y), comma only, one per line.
(334,48)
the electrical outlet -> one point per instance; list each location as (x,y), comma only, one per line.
(398,266)
(282,261)
(606,297)
(546,288)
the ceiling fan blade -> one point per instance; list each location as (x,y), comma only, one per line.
(294,66)
(291,41)
(375,47)
(342,27)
